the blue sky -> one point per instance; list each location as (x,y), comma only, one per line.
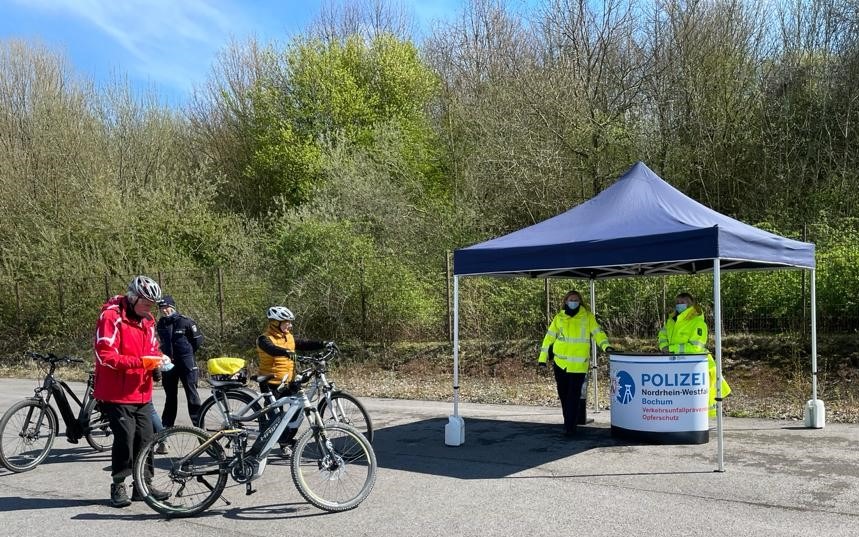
(168,45)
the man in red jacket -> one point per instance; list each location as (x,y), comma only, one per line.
(126,353)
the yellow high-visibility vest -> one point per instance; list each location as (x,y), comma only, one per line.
(687,333)
(570,339)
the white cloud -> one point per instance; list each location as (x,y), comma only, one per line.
(171,41)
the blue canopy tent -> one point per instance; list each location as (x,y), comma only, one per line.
(639,226)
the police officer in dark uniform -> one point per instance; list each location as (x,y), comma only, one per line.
(180,339)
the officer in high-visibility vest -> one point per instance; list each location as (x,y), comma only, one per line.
(686,332)
(568,342)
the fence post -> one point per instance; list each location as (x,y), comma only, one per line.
(106,286)
(803,273)
(61,301)
(546,301)
(363,293)
(221,300)
(447,277)
(17,303)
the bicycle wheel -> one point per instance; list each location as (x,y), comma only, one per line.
(337,479)
(98,433)
(185,480)
(346,408)
(211,420)
(27,432)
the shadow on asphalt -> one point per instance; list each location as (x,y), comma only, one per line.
(273,512)
(492,449)
(17,503)
(68,454)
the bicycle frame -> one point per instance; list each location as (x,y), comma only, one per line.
(57,388)
(258,452)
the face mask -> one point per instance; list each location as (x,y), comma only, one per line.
(680,308)
(572,304)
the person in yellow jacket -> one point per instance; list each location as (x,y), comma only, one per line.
(276,348)
(686,332)
(568,343)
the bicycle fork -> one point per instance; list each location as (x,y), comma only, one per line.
(36,432)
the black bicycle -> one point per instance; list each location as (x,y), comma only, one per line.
(333,465)
(28,428)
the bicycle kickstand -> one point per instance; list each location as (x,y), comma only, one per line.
(249,489)
(208,486)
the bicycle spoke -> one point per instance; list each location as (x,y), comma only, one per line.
(190,478)
(338,478)
(27,436)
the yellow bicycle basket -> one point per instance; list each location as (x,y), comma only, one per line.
(225,368)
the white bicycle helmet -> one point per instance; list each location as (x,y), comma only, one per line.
(144,287)
(280,313)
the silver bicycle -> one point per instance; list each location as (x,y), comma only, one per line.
(332,403)
(333,465)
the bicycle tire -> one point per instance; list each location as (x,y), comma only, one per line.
(210,419)
(16,434)
(98,433)
(319,481)
(353,412)
(188,494)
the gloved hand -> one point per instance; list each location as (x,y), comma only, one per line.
(543,366)
(156,375)
(153,362)
(609,349)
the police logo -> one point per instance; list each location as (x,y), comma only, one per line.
(623,388)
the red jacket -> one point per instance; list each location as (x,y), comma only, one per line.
(120,344)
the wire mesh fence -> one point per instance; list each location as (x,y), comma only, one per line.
(372,305)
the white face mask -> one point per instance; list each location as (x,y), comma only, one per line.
(680,307)
(572,304)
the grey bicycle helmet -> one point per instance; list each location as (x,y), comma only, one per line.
(280,313)
(144,287)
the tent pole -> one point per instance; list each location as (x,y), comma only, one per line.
(813,336)
(717,319)
(594,347)
(456,346)
(454,431)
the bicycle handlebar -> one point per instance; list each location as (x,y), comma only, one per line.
(53,358)
(329,352)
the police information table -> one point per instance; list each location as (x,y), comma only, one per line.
(659,398)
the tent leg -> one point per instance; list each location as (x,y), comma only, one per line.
(717,319)
(594,348)
(814,415)
(454,431)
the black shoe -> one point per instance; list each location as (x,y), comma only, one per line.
(161,449)
(155,493)
(119,495)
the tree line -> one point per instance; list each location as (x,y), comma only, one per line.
(333,171)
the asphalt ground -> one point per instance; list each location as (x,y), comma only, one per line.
(515,475)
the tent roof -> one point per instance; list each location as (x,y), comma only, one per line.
(640,225)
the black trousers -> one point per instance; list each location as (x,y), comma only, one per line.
(288,433)
(132,429)
(170,381)
(569,392)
